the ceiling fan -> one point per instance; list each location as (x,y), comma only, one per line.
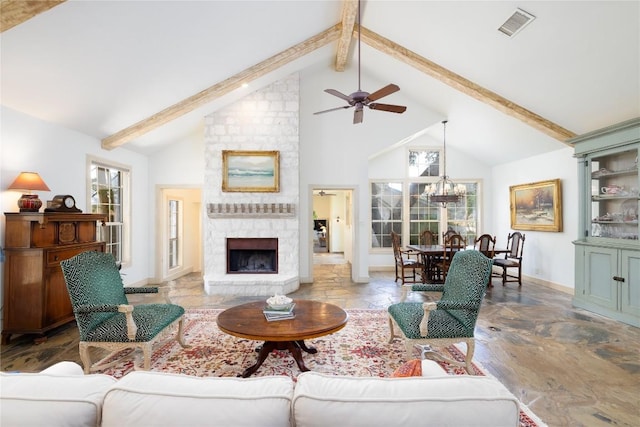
(361,99)
(323,193)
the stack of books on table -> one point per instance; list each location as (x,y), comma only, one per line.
(272,314)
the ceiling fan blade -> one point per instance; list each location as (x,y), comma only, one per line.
(332,109)
(339,94)
(357,116)
(387,90)
(388,107)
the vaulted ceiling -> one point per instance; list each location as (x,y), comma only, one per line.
(141,74)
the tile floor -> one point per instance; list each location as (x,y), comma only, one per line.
(571,367)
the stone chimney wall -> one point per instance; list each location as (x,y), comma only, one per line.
(265,120)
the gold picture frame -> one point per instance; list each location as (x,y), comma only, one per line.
(251,171)
(536,206)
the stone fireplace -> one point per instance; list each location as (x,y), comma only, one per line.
(252,255)
(265,120)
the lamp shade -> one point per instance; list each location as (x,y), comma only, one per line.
(29,181)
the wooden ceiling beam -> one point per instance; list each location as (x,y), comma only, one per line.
(222,88)
(349,12)
(15,12)
(465,86)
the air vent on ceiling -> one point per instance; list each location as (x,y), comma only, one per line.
(516,22)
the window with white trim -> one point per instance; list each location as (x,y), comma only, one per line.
(404,207)
(174,233)
(110,195)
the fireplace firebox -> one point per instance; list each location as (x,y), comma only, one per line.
(252,255)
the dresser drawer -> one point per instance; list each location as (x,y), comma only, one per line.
(54,257)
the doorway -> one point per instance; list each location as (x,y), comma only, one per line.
(178,232)
(332,229)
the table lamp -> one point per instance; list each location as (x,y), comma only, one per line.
(29,181)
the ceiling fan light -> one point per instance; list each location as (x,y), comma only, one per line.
(360,99)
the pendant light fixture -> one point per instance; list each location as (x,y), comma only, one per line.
(444,191)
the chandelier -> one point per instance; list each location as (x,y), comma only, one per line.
(444,191)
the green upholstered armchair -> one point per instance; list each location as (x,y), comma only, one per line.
(104,316)
(452,319)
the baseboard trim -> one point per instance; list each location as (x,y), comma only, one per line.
(556,286)
(381,268)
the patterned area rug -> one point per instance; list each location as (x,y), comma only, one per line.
(361,349)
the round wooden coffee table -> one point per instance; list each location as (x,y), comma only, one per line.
(312,319)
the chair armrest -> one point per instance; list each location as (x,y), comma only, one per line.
(164,292)
(421,287)
(428,287)
(88,308)
(428,307)
(141,290)
(132,328)
(448,305)
(409,253)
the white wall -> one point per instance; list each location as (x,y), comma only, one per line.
(59,155)
(548,256)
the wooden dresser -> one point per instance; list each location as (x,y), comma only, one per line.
(35,294)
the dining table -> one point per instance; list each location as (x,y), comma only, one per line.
(430,252)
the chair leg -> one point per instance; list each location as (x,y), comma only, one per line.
(403,296)
(146,355)
(409,346)
(85,357)
(180,334)
(392,334)
(471,345)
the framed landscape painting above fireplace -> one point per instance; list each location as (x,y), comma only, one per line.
(250,171)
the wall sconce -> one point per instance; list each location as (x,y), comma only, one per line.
(29,181)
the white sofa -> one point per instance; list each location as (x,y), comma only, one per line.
(63,396)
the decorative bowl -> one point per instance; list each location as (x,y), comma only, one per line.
(279,302)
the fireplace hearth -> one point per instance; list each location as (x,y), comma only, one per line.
(252,256)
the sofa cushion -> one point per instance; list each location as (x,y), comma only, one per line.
(64,368)
(324,400)
(54,398)
(162,399)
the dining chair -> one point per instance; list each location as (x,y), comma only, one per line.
(447,234)
(485,243)
(104,316)
(512,259)
(454,244)
(408,269)
(428,237)
(450,320)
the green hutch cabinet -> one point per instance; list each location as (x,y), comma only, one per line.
(607,249)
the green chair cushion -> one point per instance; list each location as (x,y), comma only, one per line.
(151,319)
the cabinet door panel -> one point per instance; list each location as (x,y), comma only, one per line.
(601,265)
(58,303)
(24,298)
(630,264)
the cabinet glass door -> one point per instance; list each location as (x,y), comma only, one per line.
(614,195)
